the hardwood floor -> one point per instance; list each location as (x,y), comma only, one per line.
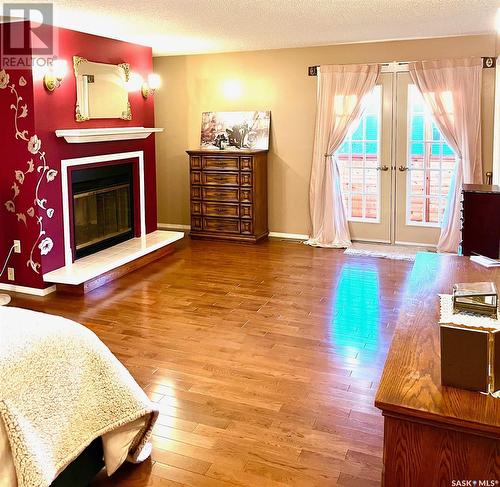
(264,360)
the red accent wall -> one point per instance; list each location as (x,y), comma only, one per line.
(14,156)
(51,111)
(16,90)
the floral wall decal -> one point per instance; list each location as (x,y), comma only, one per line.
(38,167)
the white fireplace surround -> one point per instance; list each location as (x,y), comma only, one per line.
(80,161)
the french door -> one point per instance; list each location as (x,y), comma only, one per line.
(395,167)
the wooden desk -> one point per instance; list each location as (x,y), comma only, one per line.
(433,434)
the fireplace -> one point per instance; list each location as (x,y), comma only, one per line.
(103,207)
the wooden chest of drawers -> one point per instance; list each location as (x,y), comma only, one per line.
(228,195)
(481,220)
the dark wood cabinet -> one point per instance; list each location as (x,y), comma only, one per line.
(228,195)
(481,220)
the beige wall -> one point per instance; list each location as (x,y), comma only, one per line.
(276,80)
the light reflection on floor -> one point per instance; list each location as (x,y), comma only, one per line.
(356,307)
(420,274)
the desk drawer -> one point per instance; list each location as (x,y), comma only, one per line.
(220,179)
(221,225)
(218,163)
(228,210)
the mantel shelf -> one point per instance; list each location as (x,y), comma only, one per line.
(80,136)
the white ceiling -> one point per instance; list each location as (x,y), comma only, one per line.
(202,26)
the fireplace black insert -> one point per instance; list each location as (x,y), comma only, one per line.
(103,207)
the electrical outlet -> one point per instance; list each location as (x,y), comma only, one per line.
(10,273)
(17,246)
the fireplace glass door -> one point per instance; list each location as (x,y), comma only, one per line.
(102,213)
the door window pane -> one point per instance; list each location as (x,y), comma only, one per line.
(417,209)
(417,182)
(431,164)
(372,127)
(358,158)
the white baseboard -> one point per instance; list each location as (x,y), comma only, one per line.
(371,240)
(176,226)
(27,290)
(292,236)
(173,226)
(416,244)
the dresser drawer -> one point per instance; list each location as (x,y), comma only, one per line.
(221,209)
(196,223)
(195,162)
(221,225)
(220,179)
(246,163)
(246,179)
(246,228)
(220,194)
(246,211)
(218,163)
(195,192)
(195,207)
(195,177)
(246,195)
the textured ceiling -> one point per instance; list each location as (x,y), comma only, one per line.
(202,26)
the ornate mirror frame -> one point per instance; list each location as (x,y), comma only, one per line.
(82,100)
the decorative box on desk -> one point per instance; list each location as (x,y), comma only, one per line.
(228,194)
(481,220)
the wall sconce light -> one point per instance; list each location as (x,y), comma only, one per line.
(55,74)
(149,88)
(134,82)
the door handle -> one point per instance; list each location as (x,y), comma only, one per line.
(403,168)
(383,168)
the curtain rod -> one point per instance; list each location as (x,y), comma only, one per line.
(488,62)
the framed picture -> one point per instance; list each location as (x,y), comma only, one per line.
(235,130)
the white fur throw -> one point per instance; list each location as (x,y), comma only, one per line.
(60,388)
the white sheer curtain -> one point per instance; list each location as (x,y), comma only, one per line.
(341,90)
(452,92)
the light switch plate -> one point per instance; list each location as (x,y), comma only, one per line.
(10,273)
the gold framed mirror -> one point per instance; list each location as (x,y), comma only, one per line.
(101,90)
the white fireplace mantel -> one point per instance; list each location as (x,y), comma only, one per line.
(80,136)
